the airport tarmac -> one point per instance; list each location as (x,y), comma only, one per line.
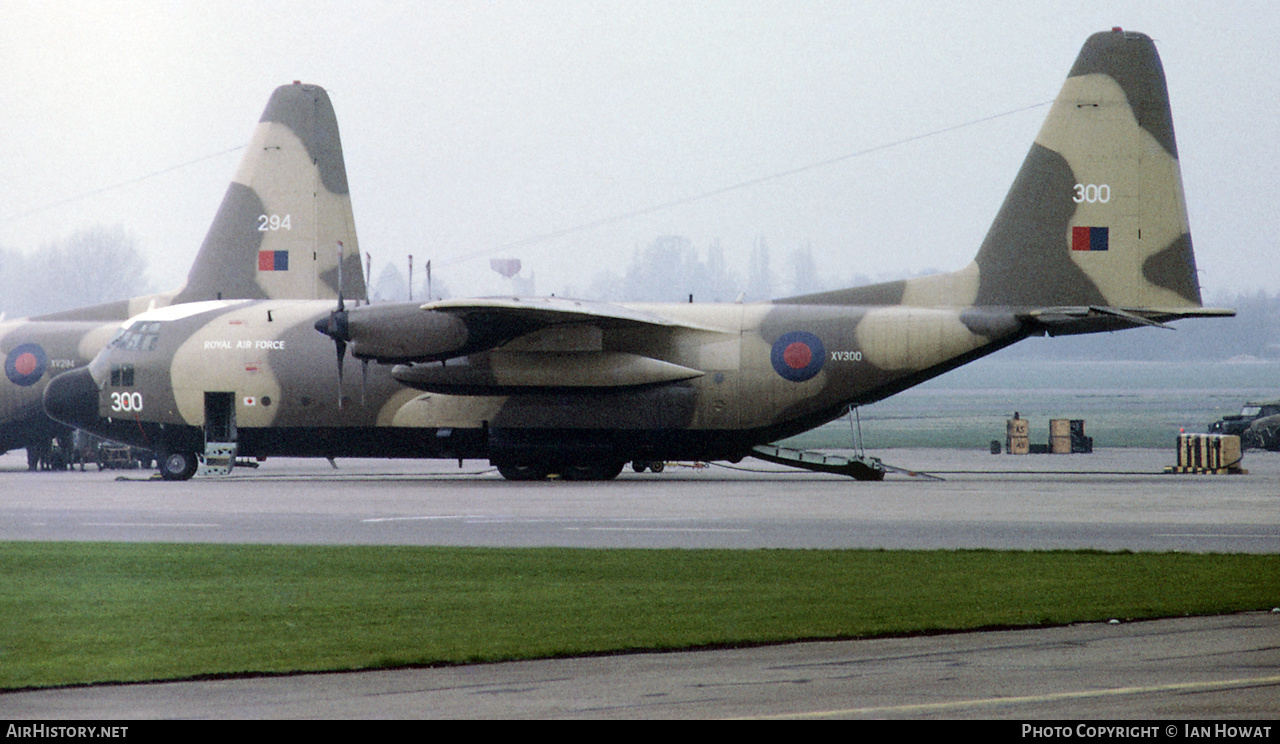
(1113,500)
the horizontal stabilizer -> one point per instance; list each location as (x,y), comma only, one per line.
(1062,321)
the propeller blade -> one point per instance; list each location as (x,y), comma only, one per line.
(364,381)
(335,327)
(342,354)
(340,287)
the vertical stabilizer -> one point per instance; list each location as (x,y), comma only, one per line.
(277,232)
(1097,215)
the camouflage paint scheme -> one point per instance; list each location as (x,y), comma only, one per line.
(1092,236)
(293,166)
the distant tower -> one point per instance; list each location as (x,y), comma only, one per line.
(508,267)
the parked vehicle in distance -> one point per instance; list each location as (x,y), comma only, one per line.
(86,449)
(1257,425)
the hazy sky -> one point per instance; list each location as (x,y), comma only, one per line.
(469,126)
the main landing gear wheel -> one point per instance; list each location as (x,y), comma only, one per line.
(514,472)
(178,466)
(593,471)
(655,466)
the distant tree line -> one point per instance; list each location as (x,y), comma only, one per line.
(670,269)
(90,267)
(102,264)
(392,286)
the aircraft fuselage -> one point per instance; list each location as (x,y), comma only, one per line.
(34,352)
(722,379)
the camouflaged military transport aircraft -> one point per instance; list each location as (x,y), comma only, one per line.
(1092,237)
(286,208)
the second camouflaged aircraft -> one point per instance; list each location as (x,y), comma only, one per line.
(293,172)
(1092,236)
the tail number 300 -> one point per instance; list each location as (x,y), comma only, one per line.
(1094,193)
(126,401)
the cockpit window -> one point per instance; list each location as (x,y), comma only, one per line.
(1250,410)
(141,336)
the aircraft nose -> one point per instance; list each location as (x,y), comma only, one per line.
(72,398)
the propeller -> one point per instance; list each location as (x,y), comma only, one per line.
(335,327)
(364,381)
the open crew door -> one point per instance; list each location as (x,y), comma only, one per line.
(219,433)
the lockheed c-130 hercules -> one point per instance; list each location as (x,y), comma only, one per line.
(1093,236)
(280,173)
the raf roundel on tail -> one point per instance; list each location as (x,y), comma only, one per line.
(1092,236)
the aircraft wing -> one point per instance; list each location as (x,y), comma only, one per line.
(545,311)
(519,332)
(408,332)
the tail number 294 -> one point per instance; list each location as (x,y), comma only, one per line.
(273,222)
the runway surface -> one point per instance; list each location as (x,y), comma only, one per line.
(1111,500)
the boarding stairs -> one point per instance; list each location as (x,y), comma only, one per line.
(860,468)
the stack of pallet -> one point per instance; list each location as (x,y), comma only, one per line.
(1065,437)
(1017,436)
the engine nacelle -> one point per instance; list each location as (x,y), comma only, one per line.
(404,332)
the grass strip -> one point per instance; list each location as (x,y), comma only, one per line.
(93,612)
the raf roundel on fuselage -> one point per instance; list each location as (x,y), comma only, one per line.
(798,356)
(25,365)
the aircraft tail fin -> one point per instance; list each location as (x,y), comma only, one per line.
(286,214)
(1096,216)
